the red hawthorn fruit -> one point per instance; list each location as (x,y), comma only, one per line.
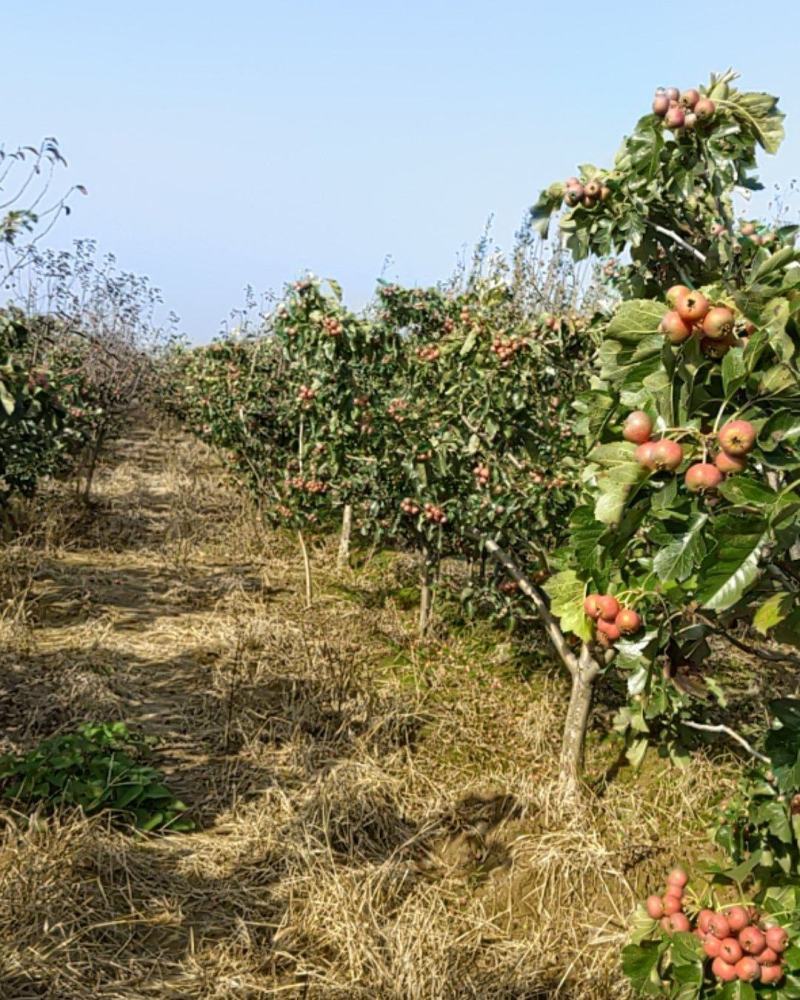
(628,621)
(718,926)
(677,877)
(610,631)
(609,607)
(637,427)
(730,463)
(672,93)
(737,437)
(767,957)
(654,907)
(753,941)
(703,918)
(675,117)
(690,97)
(730,950)
(711,946)
(672,904)
(667,454)
(674,328)
(705,108)
(777,939)
(660,105)
(702,476)
(718,323)
(592,188)
(738,918)
(748,969)
(644,455)
(591,605)
(678,923)
(676,292)
(722,970)
(771,974)
(693,307)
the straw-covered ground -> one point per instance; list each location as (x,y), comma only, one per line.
(375,818)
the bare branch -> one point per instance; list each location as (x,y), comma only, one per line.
(727,731)
(532,592)
(680,241)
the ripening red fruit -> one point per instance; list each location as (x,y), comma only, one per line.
(676,292)
(722,970)
(644,455)
(609,607)
(690,97)
(777,939)
(705,108)
(675,117)
(730,463)
(730,950)
(675,328)
(738,437)
(703,918)
(767,957)
(718,926)
(591,605)
(711,946)
(592,189)
(718,323)
(672,904)
(748,969)
(753,941)
(693,307)
(637,427)
(667,454)
(672,93)
(702,476)
(654,907)
(628,621)
(748,229)
(771,974)
(677,877)
(610,630)
(660,105)
(738,918)
(678,923)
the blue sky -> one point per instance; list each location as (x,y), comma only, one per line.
(242,142)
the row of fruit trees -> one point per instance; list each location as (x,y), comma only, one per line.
(628,477)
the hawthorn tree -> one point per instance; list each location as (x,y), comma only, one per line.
(686,549)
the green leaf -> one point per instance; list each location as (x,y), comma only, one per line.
(640,965)
(635,319)
(566,592)
(7,401)
(620,472)
(678,559)
(772,612)
(733,565)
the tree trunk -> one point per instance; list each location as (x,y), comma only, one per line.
(94,454)
(343,557)
(425,594)
(577,720)
(306,567)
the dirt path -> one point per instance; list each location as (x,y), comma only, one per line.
(377,820)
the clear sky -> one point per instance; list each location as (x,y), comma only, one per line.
(242,142)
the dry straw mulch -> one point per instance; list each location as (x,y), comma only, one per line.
(376,819)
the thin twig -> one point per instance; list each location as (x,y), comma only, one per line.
(680,241)
(703,727)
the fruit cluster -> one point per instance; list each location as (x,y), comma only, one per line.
(395,410)
(307,485)
(682,110)
(739,941)
(408,506)
(305,394)
(332,326)
(434,514)
(611,619)
(691,312)
(428,353)
(588,194)
(481,474)
(506,347)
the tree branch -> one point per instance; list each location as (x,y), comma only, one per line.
(536,597)
(727,731)
(759,651)
(680,241)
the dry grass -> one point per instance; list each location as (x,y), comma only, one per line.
(377,819)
